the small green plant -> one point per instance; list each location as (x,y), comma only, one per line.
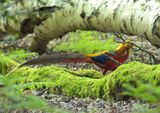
(142,108)
(20,55)
(147,92)
(12,59)
(86,42)
(12,96)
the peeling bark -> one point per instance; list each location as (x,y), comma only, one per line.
(131,17)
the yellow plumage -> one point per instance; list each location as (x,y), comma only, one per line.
(123,47)
(119,50)
(95,54)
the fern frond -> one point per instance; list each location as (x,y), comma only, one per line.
(6,64)
(6,60)
(34,85)
(20,55)
(10,59)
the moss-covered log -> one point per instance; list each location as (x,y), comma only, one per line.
(87,83)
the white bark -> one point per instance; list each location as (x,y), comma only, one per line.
(132,17)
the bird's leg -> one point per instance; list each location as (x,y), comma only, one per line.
(104,71)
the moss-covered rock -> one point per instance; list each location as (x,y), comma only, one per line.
(87,83)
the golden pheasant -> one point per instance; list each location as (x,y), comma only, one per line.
(106,60)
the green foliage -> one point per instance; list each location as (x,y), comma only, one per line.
(86,42)
(148,92)
(9,60)
(12,97)
(145,91)
(141,108)
(83,83)
(130,73)
(20,55)
(6,63)
(86,83)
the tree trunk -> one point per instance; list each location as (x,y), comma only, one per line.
(55,18)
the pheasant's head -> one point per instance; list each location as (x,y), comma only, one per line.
(124,48)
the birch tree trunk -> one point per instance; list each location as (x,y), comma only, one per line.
(54,18)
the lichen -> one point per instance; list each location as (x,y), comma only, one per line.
(89,83)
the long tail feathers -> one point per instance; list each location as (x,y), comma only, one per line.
(56,58)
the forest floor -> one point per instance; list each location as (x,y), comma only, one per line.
(74,104)
(87,105)
(97,105)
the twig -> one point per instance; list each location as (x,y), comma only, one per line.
(12,71)
(153,57)
(41,92)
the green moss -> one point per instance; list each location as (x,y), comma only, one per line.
(87,73)
(87,84)
(130,73)
(86,42)
(68,83)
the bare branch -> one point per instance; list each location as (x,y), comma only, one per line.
(156,61)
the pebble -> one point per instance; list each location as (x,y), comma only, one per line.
(88,105)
